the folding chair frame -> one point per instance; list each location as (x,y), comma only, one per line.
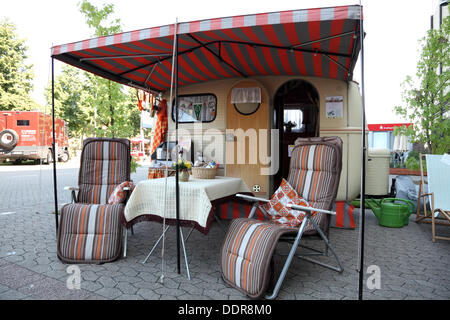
(296,240)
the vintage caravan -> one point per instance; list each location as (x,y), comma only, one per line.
(253,140)
(247,86)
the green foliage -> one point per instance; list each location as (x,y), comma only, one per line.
(427,97)
(133,165)
(96,17)
(15,75)
(115,110)
(94,106)
(414,154)
(412,163)
(71,100)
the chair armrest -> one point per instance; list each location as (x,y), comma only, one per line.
(256,204)
(73,190)
(251,199)
(302,208)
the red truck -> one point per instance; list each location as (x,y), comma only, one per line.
(27,135)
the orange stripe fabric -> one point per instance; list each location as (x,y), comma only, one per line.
(302,165)
(235,210)
(96,174)
(236,243)
(350,213)
(316,174)
(247,210)
(339,214)
(224,209)
(100,232)
(249,255)
(81,231)
(112,164)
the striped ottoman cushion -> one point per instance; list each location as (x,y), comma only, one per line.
(247,253)
(90,233)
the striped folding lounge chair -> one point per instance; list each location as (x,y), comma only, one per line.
(91,230)
(247,251)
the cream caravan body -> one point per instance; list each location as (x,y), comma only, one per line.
(212,138)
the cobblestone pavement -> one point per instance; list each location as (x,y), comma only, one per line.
(412,267)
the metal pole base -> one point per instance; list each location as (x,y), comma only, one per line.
(183,241)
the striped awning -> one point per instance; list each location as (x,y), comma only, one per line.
(322,42)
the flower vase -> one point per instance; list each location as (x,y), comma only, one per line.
(183,175)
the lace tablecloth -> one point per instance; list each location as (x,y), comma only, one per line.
(147,200)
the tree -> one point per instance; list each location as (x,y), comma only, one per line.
(114,115)
(427,98)
(71,100)
(91,105)
(15,75)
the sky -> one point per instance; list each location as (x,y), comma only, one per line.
(393,28)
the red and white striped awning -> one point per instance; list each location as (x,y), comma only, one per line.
(322,42)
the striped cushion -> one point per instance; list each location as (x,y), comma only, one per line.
(247,252)
(105,164)
(90,233)
(119,195)
(314,172)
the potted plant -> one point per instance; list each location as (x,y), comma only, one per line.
(289,125)
(183,167)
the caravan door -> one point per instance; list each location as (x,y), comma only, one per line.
(247,137)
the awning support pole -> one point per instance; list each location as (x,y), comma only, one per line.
(125,57)
(324,39)
(149,75)
(337,63)
(54,153)
(217,56)
(177,176)
(363,166)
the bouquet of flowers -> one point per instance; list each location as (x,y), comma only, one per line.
(182,165)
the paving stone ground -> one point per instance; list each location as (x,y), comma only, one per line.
(411,265)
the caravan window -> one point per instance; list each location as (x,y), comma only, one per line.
(196,108)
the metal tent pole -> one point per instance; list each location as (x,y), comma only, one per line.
(363,166)
(55,189)
(177,182)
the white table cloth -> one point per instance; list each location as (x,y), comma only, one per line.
(195,198)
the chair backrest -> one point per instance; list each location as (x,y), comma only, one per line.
(105,163)
(315,171)
(438,172)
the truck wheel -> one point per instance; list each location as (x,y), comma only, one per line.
(65,156)
(8,139)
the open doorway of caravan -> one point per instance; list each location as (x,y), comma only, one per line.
(296,115)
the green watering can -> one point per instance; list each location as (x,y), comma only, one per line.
(391,213)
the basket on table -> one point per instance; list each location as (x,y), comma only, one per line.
(204,173)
